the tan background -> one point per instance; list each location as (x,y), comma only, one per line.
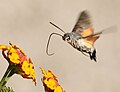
(26,23)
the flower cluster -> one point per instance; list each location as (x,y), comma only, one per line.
(16,56)
(20,64)
(50,82)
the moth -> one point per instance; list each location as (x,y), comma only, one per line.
(82,36)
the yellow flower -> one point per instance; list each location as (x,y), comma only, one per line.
(58,89)
(48,74)
(50,82)
(16,56)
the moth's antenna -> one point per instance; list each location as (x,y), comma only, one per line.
(57,27)
(49,42)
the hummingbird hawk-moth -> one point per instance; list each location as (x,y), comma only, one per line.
(82,36)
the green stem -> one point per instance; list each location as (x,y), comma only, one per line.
(6,76)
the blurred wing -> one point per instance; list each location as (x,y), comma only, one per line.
(83,25)
(111,29)
(91,40)
(87,32)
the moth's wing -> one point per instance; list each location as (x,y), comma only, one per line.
(91,40)
(83,25)
(87,32)
(104,31)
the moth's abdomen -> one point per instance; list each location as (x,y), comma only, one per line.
(85,48)
(74,43)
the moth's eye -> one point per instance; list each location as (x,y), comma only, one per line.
(67,38)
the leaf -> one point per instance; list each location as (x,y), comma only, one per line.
(6,89)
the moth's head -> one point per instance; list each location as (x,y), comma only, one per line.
(66,37)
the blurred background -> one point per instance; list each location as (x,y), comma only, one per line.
(26,24)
